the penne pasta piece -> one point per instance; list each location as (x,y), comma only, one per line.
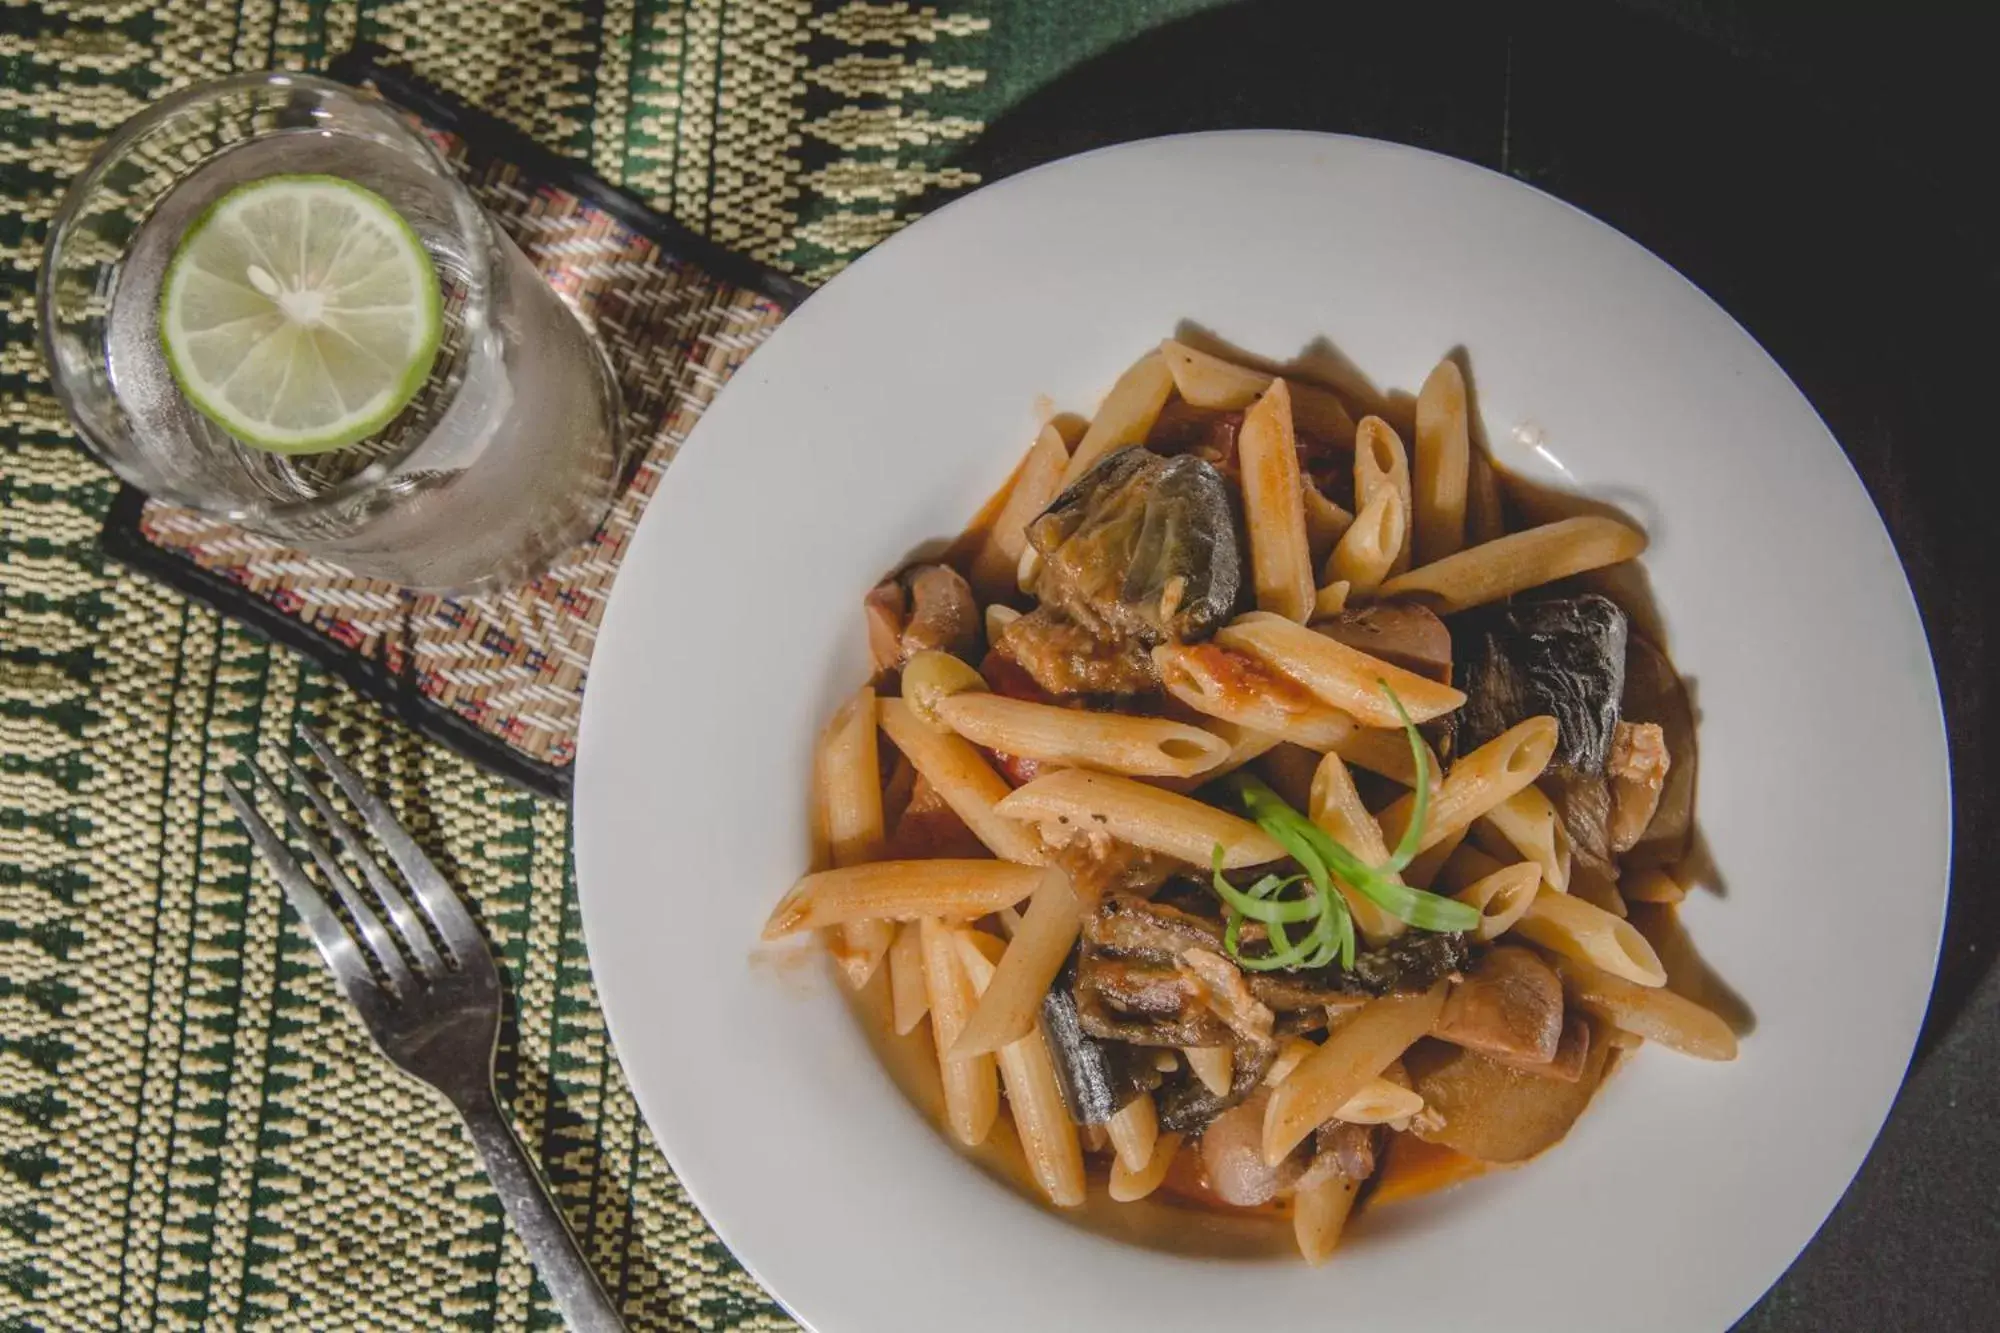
(1380,464)
(1387,752)
(1353,1054)
(897,793)
(1237,688)
(1036,483)
(901,891)
(930,677)
(1134,1131)
(1027,1071)
(1149,747)
(1439,472)
(1008,1007)
(1344,677)
(1655,1014)
(1363,557)
(1215,1066)
(1485,510)
(1330,601)
(1325,522)
(909,1000)
(1564,924)
(1478,782)
(1274,508)
(1132,1186)
(1651,885)
(1245,745)
(961,775)
(1502,897)
(1080,802)
(1319,1215)
(851,796)
(1527,823)
(1517,562)
(1468,865)
(1423,871)
(1592,886)
(1125,417)
(1209,381)
(971,1083)
(1335,805)
(1378,1102)
(1290,1055)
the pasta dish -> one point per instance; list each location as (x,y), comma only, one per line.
(1262,804)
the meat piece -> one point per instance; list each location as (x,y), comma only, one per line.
(1222,988)
(924,608)
(1637,771)
(1097,1078)
(1098,864)
(1063,658)
(1201,432)
(1232,1155)
(1564,659)
(1127,925)
(1141,547)
(1128,1002)
(1510,1006)
(1403,634)
(886,608)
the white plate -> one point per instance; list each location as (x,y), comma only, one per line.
(884,411)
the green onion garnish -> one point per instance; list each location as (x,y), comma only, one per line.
(1324,860)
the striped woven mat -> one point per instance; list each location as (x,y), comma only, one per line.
(193,1130)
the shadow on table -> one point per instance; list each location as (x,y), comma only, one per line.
(1809,167)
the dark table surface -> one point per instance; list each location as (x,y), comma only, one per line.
(1826,172)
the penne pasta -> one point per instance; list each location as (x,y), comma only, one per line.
(1423,871)
(1517,562)
(1245,745)
(1651,885)
(1034,1098)
(1380,464)
(851,804)
(1150,747)
(1007,1009)
(1132,1186)
(1363,557)
(971,1083)
(1381,750)
(909,1000)
(1593,886)
(1209,381)
(963,778)
(1564,924)
(1468,865)
(1439,472)
(1215,1066)
(1502,897)
(1335,805)
(1478,782)
(1134,1131)
(901,891)
(1353,1054)
(1237,688)
(1274,513)
(1330,601)
(1526,822)
(1036,483)
(1325,522)
(1083,803)
(1344,677)
(1378,1102)
(1485,510)
(1290,1055)
(1125,417)
(1656,1014)
(1319,1215)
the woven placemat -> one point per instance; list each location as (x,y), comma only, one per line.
(499,676)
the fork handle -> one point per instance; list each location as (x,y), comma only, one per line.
(559,1262)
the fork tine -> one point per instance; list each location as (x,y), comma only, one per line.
(373,934)
(336,946)
(400,912)
(431,889)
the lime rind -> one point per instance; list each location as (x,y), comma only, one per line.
(417,366)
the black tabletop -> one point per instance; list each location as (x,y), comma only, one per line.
(1824,170)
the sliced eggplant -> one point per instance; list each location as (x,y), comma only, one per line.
(1097,1078)
(1563,659)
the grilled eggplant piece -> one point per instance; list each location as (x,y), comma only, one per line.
(1184,1103)
(1142,547)
(1564,659)
(1097,1078)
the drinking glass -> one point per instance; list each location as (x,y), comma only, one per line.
(509,453)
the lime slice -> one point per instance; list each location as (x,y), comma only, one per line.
(300,313)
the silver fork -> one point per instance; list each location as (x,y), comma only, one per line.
(434,1012)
